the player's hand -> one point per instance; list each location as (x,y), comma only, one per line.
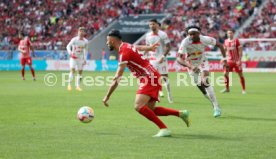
(161,60)
(72,55)
(105,99)
(84,62)
(195,69)
(154,46)
(225,64)
(238,63)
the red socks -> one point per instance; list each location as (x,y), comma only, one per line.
(149,114)
(226,81)
(33,72)
(242,83)
(162,111)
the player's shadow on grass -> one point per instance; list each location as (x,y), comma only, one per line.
(249,118)
(203,137)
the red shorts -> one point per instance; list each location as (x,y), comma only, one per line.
(26,60)
(150,86)
(234,66)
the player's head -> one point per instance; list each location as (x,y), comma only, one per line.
(193,32)
(230,34)
(153,24)
(81,31)
(20,35)
(113,39)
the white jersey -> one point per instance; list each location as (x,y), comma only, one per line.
(194,52)
(152,38)
(78,48)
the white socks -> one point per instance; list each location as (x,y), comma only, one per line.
(71,76)
(212,96)
(78,80)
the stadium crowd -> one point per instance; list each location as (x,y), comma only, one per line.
(263,26)
(51,24)
(214,17)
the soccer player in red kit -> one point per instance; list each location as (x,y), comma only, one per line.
(234,55)
(24,48)
(149,78)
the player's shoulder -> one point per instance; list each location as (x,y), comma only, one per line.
(204,37)
(162,34)
(186,41)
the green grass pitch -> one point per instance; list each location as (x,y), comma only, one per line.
(39,122)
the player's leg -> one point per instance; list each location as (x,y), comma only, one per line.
(166,80)
(72,65)
(29,62)
(163,70)
(155,64)
(226,80)
(79,77)
(163,111)
(211,93)
(141,102)
(196,79)
(23,62)
(242,80)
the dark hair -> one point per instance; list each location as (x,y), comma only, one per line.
(20,33)
(155,21)
(193,26)
(159,24)
(115,33)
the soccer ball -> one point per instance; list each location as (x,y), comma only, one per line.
(85,114)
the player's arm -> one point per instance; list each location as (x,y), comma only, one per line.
(115,82)
(239,49)
(147,48)
(69,48)
(20,50)
(85,52)
(32,49)
(223,53)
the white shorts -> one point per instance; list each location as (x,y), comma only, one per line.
(162,68)
(76,64)
(204,66)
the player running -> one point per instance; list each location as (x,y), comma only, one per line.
(191,55)
(234,55)
(77,49)
(149,78)
(24,48)
(158,58)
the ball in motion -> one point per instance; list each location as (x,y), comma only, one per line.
(85,114)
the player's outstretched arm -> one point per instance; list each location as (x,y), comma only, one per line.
(115,83)
(146,47)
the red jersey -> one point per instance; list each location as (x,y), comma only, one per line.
(232,50)
(25,45)
(136,63)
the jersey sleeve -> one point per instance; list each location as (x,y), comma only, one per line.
(123,58)
(207,40)
(238,44)
(29,42)
(183,48)
(147,40)
(165,38)
(69,46)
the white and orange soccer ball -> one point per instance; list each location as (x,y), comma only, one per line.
(86,114)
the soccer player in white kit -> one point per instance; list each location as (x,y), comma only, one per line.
(77,49)
(158,58)
(191,55)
